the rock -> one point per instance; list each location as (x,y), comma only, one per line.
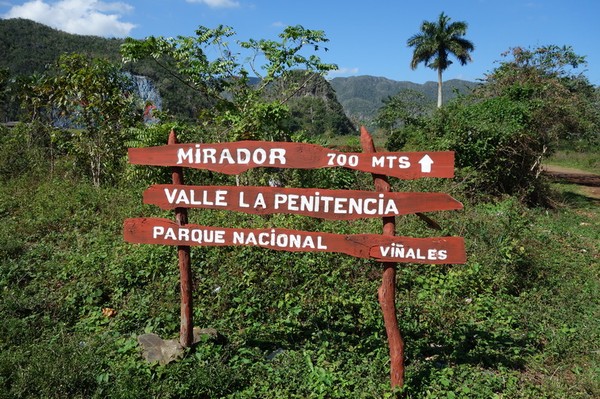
(155,349)
(164,351)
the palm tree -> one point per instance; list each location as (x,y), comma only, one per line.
(436,41)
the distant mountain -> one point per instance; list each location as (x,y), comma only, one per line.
(362,96)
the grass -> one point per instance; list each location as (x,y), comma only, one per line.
(586,161)
(519,320)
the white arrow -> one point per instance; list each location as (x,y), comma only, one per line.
(426,163)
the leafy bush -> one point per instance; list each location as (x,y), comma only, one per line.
(504,130)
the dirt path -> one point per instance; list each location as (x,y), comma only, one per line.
(589,183)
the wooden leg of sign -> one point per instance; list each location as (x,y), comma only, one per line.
(186,331)
(386,295)
(387,290)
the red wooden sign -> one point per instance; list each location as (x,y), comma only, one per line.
(327,204)
(431,250)
(237,157)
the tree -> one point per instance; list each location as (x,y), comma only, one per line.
(242,106)
(434,44)
(400,114)
(4,81)
(402,109)
(562,101)
(94,95)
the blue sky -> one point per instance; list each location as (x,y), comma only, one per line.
(366,37)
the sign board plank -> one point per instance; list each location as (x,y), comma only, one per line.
(237,157)
(431,250)
(327,204)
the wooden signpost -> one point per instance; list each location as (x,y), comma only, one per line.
(237,157)
(439,250)
(326,204)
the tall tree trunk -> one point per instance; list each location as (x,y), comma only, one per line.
(439,88)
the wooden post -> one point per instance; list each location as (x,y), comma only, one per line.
(387,290)
(186,331)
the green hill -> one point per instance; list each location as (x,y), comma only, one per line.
(27,46)
(362,96)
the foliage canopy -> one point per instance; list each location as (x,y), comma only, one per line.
(239,104)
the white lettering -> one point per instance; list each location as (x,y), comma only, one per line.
(243,156)
(388,161)
(226,156)
(295,241)
(331,157)
(377,161)
(370,211)
(157,231)
(182,198)
(403,162)
(391,208)
(399,251)
(260,156)
(183,155)
(193,197)
(186,235)
(263,239)
(308,242)
(209,155)
(259,201)
(320,244)
(279,200)
(384,250)
(241,201)
(238,237)
(201,154)
(220,198)
(277,155)
(170,195)
(170,234)
(292,202)
(275,240)
(339,205)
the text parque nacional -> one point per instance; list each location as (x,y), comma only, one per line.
(401,249)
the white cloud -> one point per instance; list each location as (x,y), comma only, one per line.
(217,3)
(84,17)
(342,72)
